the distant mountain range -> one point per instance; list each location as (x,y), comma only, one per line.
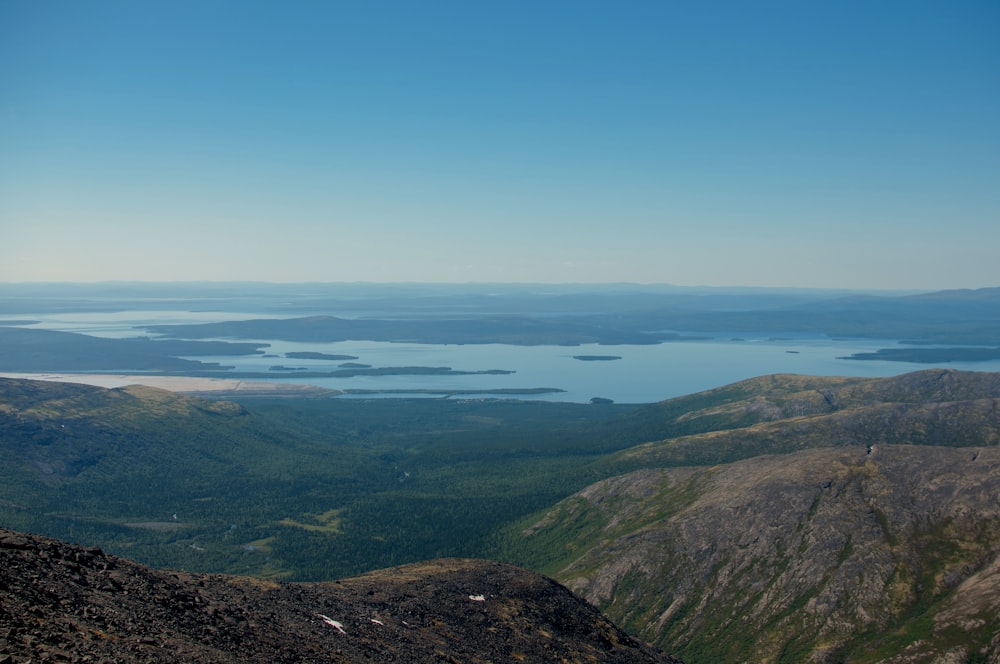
(946,317)
(535,314)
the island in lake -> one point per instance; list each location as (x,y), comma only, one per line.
(311,355)
(597,358)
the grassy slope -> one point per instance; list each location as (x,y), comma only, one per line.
(852,551)
(829,553)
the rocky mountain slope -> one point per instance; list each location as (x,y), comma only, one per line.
(60,602)
(854,521)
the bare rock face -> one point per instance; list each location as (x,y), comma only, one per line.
(861,553)
(60,602)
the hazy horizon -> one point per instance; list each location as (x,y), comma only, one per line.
(594,286)
(846,146)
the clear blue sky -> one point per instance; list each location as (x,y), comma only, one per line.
(801,143)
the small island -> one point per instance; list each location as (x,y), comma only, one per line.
(597,358)
(311,355)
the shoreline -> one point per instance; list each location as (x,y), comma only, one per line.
(209,387)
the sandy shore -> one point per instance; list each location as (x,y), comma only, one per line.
(215,387)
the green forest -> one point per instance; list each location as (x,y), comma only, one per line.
(303,489)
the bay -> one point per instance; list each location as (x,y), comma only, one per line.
(643,374)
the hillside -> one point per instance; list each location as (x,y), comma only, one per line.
(785,412)
(850,520)
(777,397)
(66,603)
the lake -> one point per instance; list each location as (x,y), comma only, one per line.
(643,374)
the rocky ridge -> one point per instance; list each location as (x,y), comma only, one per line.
(65,603)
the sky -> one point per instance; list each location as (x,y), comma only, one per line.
(809,143)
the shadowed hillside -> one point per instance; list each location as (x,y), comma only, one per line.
(65,603)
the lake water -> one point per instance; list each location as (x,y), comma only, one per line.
(643,374)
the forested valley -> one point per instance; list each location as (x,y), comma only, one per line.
(303,489)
